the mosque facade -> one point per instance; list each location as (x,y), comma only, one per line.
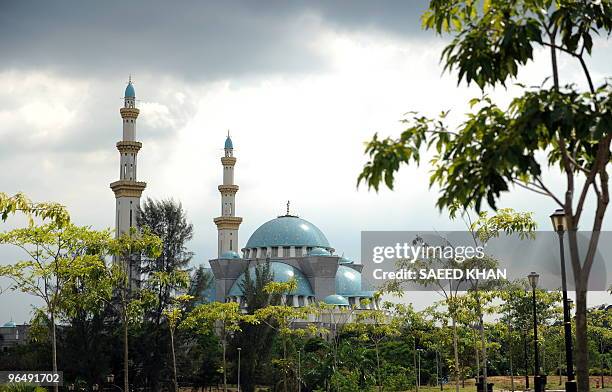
(294,247)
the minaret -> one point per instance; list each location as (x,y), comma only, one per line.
(228,223)
(127,190)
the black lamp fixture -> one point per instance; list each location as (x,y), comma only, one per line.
(110,378)
(559,220)
(533,280)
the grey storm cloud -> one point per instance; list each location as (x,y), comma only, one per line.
(192,40)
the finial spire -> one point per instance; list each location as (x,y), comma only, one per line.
(130,78)
(288,203)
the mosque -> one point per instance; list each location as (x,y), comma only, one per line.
(294,247)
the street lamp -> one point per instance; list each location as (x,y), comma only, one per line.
(537,384)
(559,221)
(239,350)
(95,387)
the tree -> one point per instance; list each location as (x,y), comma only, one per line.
(255,339)
(600,335)
(162,275)
(223,318)
(517,311)
(375,326)
(496,148)
(174,315)
(56,256)
(282,318)
(59,257)
(128,302)
(484,229)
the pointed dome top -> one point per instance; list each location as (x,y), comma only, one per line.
(129,90)
(228,143)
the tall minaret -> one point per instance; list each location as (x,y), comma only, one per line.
(228,223)
(127,190)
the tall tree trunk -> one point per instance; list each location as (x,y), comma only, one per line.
(173,360)
(456,353)
(484,351)
(582,356)
(414,360)
(525,359)
(601,369)
(224,343)
(378,378)
(126,383)
(54,347)
(285,386)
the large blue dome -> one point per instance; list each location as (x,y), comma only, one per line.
(129,91)
(281,273)
(287,230)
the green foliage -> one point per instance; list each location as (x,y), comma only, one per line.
(20,203)
(21,388)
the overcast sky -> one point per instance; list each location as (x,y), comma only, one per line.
(300,85)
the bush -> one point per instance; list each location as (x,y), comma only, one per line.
(21,388)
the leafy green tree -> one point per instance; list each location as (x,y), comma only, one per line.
(483,229)
(375,326)
(222,318)
(517,311)
(55,256)
(255,340)
(600,336)
(282,318)
(497,147)
(163,276)
(60,256)
(174,315)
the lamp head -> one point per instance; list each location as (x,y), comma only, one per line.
(533,280)
(110,378)
(559,220)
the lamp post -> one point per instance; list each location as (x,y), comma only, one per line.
(559,222)
(239,350)
(537,385)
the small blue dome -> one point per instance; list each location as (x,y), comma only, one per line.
(287,230)
(282,272)
(344,260)
(336,299)
(228,143)
(230,254)
(10,324)
(129,91)
(319,252)
(348,281)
